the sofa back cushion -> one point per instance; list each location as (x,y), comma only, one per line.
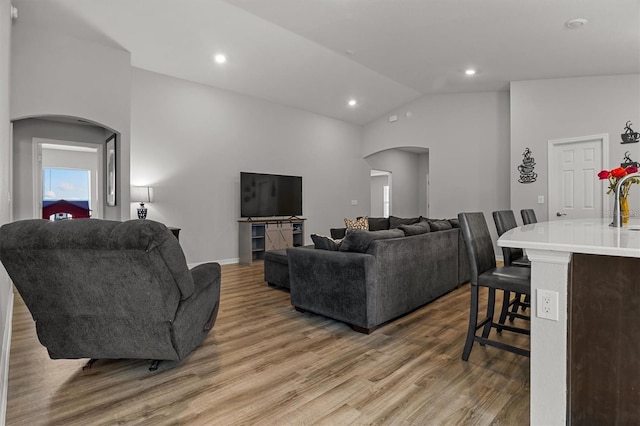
(358,241)
(439,225)
(378,223)
(395,222)
(338,233)
(415,229)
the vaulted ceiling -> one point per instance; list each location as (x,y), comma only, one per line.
(317,54)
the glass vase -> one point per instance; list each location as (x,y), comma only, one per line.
(624,209)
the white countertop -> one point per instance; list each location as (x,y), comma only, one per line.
(589,236)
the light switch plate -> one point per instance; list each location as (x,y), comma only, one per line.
(540,199)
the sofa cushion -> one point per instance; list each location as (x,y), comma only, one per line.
(415,229)
(277,256)
(361,223)
(358,240)
(378,223)
(338,233)
(454,222)
(439,225)
(322,242)
(394,222)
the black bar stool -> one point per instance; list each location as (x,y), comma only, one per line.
(528,216)
(485,273)
(506,220)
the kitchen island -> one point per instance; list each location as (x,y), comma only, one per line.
(585,366)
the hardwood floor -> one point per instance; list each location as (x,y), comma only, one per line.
(264,363)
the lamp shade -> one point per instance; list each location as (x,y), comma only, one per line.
(141,194)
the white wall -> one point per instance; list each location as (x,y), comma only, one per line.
(59,75)
(468,140)
(190,142)
(23,133)
(6,291)
(542,110)
(404,168)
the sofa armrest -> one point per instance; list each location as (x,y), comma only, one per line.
(204,275)
(332,283)
(197,314)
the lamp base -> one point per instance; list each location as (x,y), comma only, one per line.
(142,211)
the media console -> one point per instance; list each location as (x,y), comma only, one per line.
(257,236)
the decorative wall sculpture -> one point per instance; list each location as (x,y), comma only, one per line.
(527,175)
(629,136)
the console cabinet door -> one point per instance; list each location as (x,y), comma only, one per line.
(279,235)
(272,236)
(286,235)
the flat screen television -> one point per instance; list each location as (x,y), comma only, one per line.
(265,195)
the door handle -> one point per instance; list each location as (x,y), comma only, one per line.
(560,214)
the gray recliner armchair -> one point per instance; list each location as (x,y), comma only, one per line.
(106,289)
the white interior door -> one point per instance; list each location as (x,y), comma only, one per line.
(574,189)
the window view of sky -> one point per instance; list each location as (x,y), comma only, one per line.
(65,184)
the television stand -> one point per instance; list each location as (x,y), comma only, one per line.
(259,235)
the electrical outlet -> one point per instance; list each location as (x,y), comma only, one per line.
(547,304)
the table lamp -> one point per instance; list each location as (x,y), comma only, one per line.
(141,194)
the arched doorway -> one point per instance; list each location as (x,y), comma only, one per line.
(408,190)
(57,143)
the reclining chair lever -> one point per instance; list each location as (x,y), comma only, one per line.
(89,364)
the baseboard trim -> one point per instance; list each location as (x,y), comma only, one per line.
(4,360)
(221,261)
(228,261)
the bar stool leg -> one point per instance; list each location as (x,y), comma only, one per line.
(505,309)
(473,321)
(491,304)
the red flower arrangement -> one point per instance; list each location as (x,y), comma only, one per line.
(614,176)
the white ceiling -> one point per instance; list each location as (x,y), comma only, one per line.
(294,52)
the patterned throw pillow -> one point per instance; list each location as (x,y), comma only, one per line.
(360,223)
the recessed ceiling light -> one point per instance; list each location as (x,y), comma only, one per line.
(352,102)
(574,24)
(220,58)
(470,71)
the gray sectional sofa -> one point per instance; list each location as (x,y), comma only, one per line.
(377,276)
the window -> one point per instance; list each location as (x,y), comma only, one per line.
(66,193)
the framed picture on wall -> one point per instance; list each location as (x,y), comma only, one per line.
(111,170)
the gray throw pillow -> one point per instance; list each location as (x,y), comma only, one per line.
(416,229)
(322,242)
(358,240)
